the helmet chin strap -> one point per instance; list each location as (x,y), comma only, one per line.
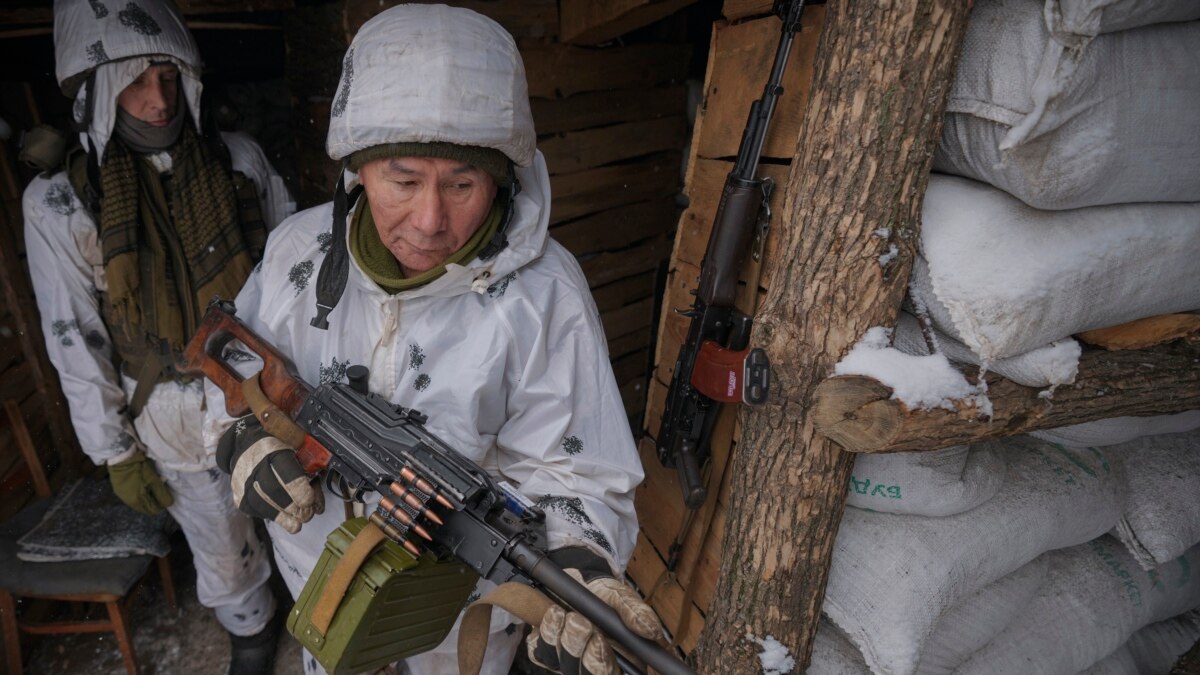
(500,238)
(335,268)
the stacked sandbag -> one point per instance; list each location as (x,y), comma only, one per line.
(1072,104)
(1050,366)
(1153,650)
(1094,598)
(894,577)
(1161,457)
(1004,278)
(1162,514)
(928,483)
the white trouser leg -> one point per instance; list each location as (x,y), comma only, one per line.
(231,562)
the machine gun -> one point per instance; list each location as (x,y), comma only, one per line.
(433,497)
(715,363)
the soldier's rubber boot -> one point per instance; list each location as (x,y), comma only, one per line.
(255,654)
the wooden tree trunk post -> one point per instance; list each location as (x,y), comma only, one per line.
(846,239)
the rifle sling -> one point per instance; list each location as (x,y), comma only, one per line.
(523,602)
(274,420)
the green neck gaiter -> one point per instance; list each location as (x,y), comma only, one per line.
(383,268)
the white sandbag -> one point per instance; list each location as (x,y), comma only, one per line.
(1152,650)
(1063,126)
(1120,662)
(1004,278)
(1115,430)
(1095,597)
(1162,511)
(893,576)
(1049,366)
(834,654)
(972,623)
(928,483)
(1157,647)
(1071,20)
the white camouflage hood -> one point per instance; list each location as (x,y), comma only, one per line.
(118,40)
(432,73)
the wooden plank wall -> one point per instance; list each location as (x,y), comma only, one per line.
(741,53)
(611,123)
(26,376)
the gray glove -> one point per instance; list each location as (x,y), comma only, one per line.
(266,477)
(566,642)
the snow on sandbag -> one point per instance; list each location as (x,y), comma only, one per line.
(927,483)
(1094,598)
(1115,430)
(893,576)
(1049,366)
(1162,510)
(1110,121)
(1004,278)
(1073,21)
(973,622)
(1157,647)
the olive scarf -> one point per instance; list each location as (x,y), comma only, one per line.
(169,244)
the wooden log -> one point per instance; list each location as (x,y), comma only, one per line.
(1144,332)
(561,70)
(589,22)
(579,150)
(858,412)
(862,158)
(596,190)
(608,267)
(739,66)
(524,19)
(599,108)
(617,228)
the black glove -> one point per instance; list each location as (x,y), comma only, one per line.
(566,642)
(266,477)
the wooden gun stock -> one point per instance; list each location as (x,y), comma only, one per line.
(205,356)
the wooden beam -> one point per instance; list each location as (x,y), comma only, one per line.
(628,319)
(596,190)
(623,291)
(617,228)
(578,150)
(599,108)
(740,9)
(561,70)
(608,267)
(858,412)
(589,22)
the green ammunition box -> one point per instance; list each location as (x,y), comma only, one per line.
(396,605)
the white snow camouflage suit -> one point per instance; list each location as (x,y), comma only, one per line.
(66,265)
(507,356)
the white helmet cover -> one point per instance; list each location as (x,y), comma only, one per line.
(432,73)
(88,33)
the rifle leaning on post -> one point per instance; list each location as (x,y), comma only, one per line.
(715,363)
(429,489)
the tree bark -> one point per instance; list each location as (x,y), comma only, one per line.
(860,415)
(847,236)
